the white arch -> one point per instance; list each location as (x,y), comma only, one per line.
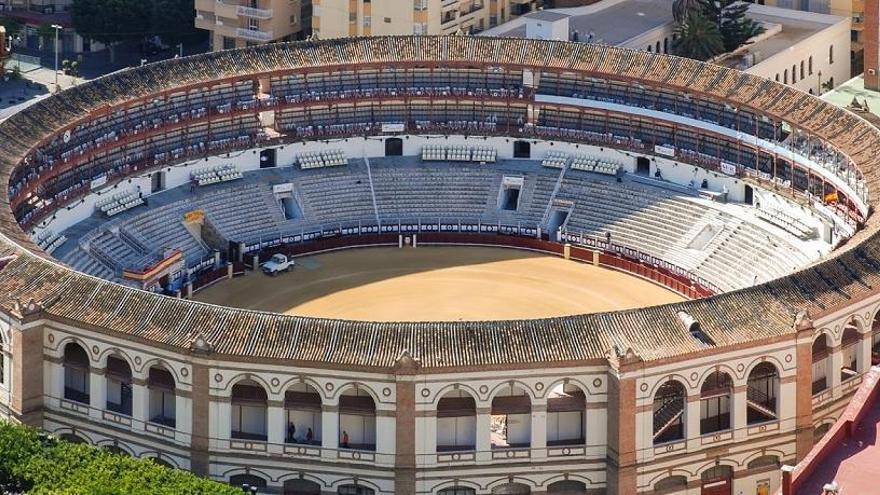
(303,379)
(452,386)
(524,386)
(357,386)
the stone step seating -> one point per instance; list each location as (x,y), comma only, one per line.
(334,196)
(163,229)
(787,222)
(213,175)
(82,261)
(49,241)
(430,193)
(242,214)
(323,158)
(459,153)
(119,202)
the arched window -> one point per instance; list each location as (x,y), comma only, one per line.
(511,421)
(765,462)
(76,373)
(566,415)
(162,462)
(118,386)
(716,475)
(303,406)
(669,409)
(831,54)
(715,403)
(793,73)
(802,69)
(875,340)
(301,487)
(820,432)
(456,421)
(459,490)
(657,47)
(785,76)
(650,49)
(116,450)
(163,401)
(671,484)
(810,65)
(665,45)
(3,361)
(246,481)
(820,363)
(355,490)
(249,406)
(70,437)
(567,487)
(357,420)
(511,489)
(850,349)
(761,392)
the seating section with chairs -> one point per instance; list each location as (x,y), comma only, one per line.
(119,202)
(213,175)
(459,153)
(320,159)
(555,159)
(49,241)
(598,165)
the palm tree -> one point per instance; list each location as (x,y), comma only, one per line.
(698,38)
(682,8)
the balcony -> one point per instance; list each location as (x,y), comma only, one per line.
(254,34)
(254,12)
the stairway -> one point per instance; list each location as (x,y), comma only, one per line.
(756,400)
(666,417)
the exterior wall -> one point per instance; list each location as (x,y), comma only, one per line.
(238,23)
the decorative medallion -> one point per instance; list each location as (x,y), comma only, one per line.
(95,349)
(539,386)
(51,338)
(740,367)
(137,360)
(484,389)
(644,387)
(386,392)
(788,358)
(275,382)
(425,392)
(328,386)
(218,378)
(184,372)
(694,376)
(598,382)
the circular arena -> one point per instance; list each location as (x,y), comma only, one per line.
(518,266)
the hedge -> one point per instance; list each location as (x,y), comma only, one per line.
(35,463)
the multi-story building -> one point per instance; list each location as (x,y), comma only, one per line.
(239,23)
(34,14)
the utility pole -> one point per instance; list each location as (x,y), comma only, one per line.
(57,29)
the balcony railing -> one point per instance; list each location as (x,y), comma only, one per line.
(254,35)
(254,12)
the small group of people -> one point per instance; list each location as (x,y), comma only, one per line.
(291,435)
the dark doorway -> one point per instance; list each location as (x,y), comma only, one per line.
(643,166)
(157,182)
(394,147)
(522,149)
(750,195)
(268,158)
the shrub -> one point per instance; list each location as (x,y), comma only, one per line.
(35,463)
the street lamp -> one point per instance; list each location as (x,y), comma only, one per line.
(57,29)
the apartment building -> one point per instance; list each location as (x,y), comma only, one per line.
(239,23)
(340,18)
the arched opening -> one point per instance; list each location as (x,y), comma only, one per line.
(764,463)
(457,490)
(71,438)
(511,489)
(717,480)
(301,487)
(566,415)
(849,348)
(355,490)
(163,401)
(669,406)
(249,411)
(357,420)
(820,432)
(302,405)
(511,422)
(567,487)
(76,373)
(761,392)
(118,386)
(715,403)
(456,421)
(248,481)
(820,363)
(672,484)
(875,340)
(116,450)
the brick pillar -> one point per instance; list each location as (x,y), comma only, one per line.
(201,398)
(405,425)
(27,373)
(804,391)
(621,456)
(871,35)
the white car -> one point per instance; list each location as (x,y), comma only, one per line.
(277,263)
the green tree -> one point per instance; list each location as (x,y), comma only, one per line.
(730,17)
(111,21)
(46,33)
(697,38)
(172,20)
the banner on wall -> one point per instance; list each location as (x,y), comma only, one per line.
(99,181)
(287,187)
(728,168)
(664,150)
(393,128)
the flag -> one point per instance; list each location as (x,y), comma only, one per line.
(831,197)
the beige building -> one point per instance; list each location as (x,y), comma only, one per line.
(238,23)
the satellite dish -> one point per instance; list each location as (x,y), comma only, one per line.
(67,136)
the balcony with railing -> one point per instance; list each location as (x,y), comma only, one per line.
(254,12)
(254,34)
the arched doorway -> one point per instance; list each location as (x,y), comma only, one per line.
(246,481)
(671,484)
(511,421)
(761,392)
(357,420)
(163,401)
(302,403)
(717,480)
(566,415)
(567,487)
(118,386)
(458,490)
(355,490)
(511,489)
(849,348)
(821,348)
(76,373)
(669,409)
(715,403)
(249,406)
(301,487)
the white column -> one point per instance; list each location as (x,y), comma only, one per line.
(692,421)
(385,435)
(182,413)
(539,429)
(329,430)
(97,392)
(864,353)
(140,403)
(426,435)
(222,428)
(484,433)
(739,413)
(53,379)
(276,424)
(835,362)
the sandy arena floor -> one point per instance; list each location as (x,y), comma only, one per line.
(437,283)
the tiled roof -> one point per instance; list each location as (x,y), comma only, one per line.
(653,333)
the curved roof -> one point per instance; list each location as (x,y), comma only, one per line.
(760,312)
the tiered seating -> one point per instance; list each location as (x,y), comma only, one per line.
(82,261)
(49,241)
(324,158)
(459,153)
(598,165)
(213,175)
(336,195)
(243,214)
(431,192)
(787,222)
(555,159)
(162,229)
(119,202)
